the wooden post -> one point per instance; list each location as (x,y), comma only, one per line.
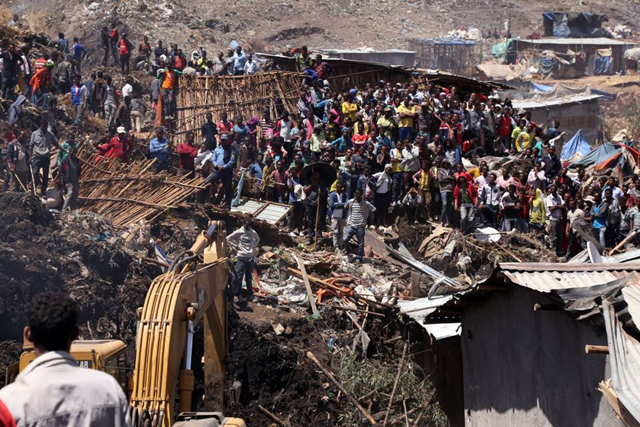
(415,284)
(395,384)
(307,285)
(596,349)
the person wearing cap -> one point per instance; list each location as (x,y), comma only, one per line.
(159,148)
(386,123)
(40,152)
(224,160)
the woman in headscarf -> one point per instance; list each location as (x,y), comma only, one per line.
(537,213)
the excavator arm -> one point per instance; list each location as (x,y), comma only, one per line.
(192,290)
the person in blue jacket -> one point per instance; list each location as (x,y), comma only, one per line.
(224,159)
(159,148)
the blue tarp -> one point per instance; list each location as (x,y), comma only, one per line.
(547,65)
(597,156)
(541,88)
(603,65)
(576,145)
(608,96)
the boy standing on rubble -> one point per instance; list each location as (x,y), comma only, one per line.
(246,242)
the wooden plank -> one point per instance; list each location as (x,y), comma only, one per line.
(307,285)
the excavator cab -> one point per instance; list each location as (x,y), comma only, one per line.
(103,355)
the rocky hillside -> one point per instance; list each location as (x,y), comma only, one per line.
(273,25)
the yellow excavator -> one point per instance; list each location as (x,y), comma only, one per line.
(190,292)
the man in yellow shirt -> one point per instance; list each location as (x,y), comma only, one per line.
(524,139)
(407,113)
(385,123)
(349,108)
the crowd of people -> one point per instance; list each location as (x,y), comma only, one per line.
(420,152)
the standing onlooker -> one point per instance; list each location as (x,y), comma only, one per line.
(17,163)
(109,101)
(555,207)
(187,151)
(105,38)
(78,99)
(79,53)
(69,169)
(358,210)
(223,160)
(114,38)
(63,44)
(64,74)
(40,148)
(251,66)
(447,180)
(123,114)
(465,196)
(239,61)
(337,203)
(125,48)
(11,60)
(246,242)
(138,113)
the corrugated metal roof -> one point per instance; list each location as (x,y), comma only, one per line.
(598,41)
(547,277)
(532,105)
(269,212)
(624,355)
(421,308)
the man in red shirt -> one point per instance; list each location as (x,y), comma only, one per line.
(180,61)
(187,151)
(125,47)
(225,127)
(119,147)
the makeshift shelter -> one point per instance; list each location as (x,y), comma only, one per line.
(575,108)
(574,25)
(523,339)
(611,156)
(453,55)
(576,148)
(406,58)
(601,55)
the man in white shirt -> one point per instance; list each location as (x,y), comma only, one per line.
(245,241)
(251,66)
(358,211)
(127,89)
(53,390)
(555,207)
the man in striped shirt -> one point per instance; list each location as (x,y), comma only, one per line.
(358,210)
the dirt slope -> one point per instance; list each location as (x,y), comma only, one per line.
(273,25)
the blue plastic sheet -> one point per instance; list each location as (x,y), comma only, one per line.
(597,156)
(602,65)
(576,145)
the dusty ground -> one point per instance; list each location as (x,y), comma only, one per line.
(213,24)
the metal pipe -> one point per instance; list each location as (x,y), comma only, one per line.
(187,361)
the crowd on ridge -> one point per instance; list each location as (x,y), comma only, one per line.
(404,152)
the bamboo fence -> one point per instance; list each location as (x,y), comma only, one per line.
(127,194)
(248,95)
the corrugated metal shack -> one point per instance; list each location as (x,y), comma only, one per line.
(594,48)
(522,346)
(405,58)
(452,55)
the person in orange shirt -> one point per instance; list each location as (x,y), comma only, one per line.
(169,85)
(41,81)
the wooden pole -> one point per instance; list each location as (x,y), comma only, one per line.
(15,175)
(335,382)
(271,416)
(596,349)
(395,384)
(624,242)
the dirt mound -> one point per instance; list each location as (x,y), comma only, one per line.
(76,253)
